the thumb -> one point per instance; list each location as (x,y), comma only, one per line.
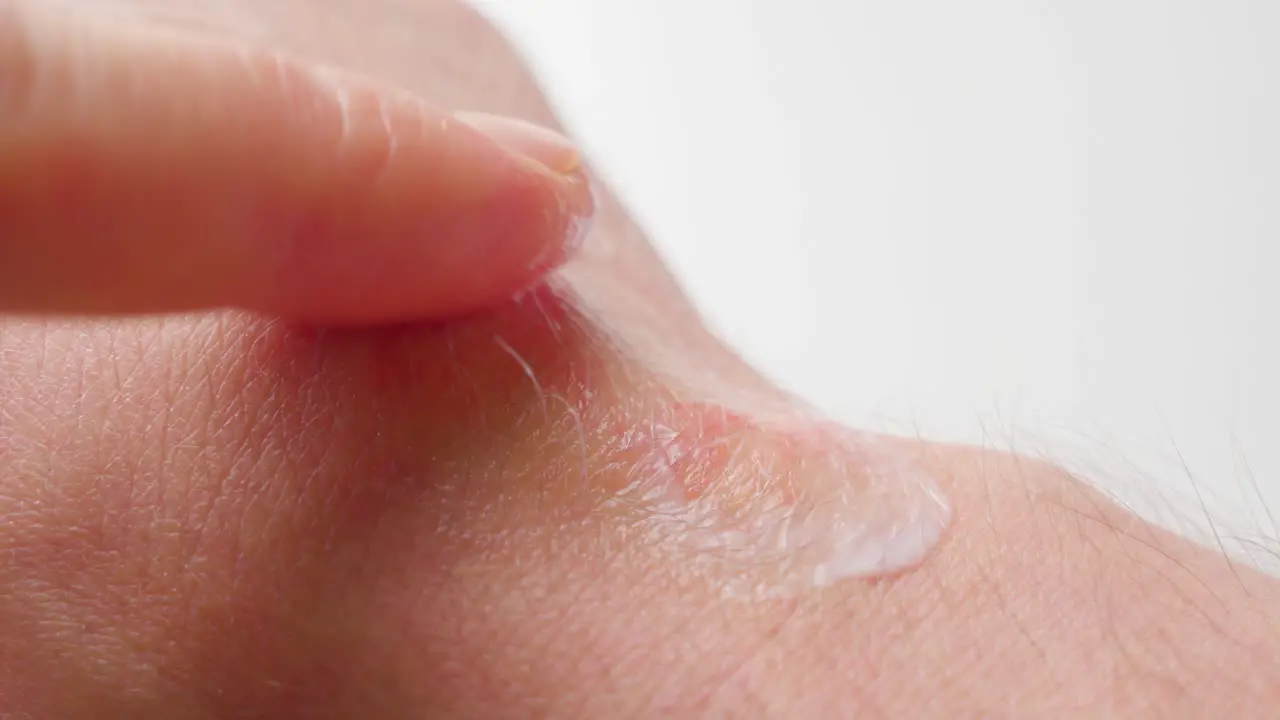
(145,171)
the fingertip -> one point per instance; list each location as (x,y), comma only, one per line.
(557,156)
(544,146)
(464,222)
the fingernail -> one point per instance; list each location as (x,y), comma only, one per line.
(548,148)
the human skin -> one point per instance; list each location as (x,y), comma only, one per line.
(222,515)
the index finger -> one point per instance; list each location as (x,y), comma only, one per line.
(143,170)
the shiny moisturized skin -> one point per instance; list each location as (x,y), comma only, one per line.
(752,491)
(722,488)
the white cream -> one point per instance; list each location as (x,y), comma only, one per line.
(781,509)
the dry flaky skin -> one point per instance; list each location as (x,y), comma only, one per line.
(219,516)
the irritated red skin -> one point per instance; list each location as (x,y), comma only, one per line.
(699,442)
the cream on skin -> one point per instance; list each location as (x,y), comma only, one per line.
(751,488)
(719,486)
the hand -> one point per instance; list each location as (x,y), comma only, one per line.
(218,515)
(146,169)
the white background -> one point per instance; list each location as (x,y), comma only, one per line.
(1047,224)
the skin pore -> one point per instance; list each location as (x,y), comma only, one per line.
(221,515)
